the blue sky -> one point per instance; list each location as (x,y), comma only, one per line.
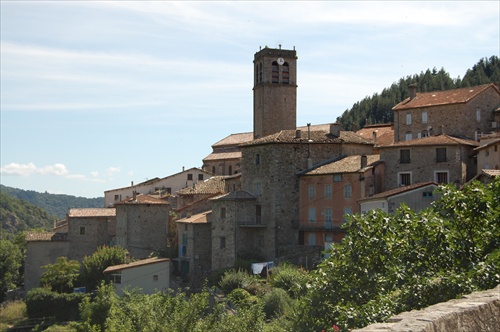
(97,94)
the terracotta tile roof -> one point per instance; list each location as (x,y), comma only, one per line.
(318,136)
(385,133)
(436,98)
(116,268)
(223,155)
(487,145)
(200,218)
(234,139)
(236,195)
(442,139)
(142,199)
(92,212)
(349,164)
(491,172)
(213,185)
(400,190)
(150,181)
(46,236)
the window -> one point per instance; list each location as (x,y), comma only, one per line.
(408,136)
(404,179)
(230,170)
(424,117)
(117,278)
(408,118)
(440,155)
(258,214)
(286,73)
(328,191)
(275,75)
(347,191)
(257,159)
(328,241)
(312,214)
(328,218)
(312,192)
(155,277)
(256,188)
(311,239)
(337,177)
(441,177)
(222,242)
(117,197)
(347,212)
(190,177)
(82,230)
(223,212)
(213,169)
(200,177)
(478,115)
(404,156)
(427,194)
(169,191)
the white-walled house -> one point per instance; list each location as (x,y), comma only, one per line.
(150,275)
(417,196)
(165,186)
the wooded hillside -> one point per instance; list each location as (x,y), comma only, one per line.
(377,108)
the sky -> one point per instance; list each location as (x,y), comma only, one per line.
(96,94)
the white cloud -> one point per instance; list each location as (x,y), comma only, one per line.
(18,169)
(56,169)
(94,173)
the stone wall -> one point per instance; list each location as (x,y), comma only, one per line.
(478,311)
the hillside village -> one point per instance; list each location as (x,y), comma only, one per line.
(281,192)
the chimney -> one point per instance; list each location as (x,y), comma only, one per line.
(131,183)
(335,129)
(298,133)
(374,136)
(413,91)
(364,161)
(134,195)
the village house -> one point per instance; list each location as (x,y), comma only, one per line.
(466,112)
(416,196)
(147,276)
(380,134)
(166,186)
(488,152)
(441,159)
(330,192)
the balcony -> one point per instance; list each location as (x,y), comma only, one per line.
(255,223)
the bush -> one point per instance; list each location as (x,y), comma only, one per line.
(290,278)
(276,303)
(234,279)
(42,302)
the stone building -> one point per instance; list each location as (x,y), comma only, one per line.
(226,155)
(488,153)
(440,159)
(142,224)
(331,191)
(380,134)
(467,112)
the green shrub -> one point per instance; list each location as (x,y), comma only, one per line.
(234,279)
(276,303)
(290,278)
(42,302)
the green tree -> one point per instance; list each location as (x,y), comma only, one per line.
(61,275)
(93,266)
(11,259)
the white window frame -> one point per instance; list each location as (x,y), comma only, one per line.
(348,190)
(328,215)
(408,136)
(312,192)
(408,119)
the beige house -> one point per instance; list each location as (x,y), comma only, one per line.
(166,186)
(148,275)
(440,159)
(488,152)
(467,112)
(416,196)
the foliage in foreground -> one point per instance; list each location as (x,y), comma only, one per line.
(93,266)
(393,263)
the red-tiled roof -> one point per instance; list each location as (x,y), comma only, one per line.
(200,218)
(223,155)
(317,136)
(491,172)
(142,199)
(400,190)
(142,262)
(442,139)
(487,145)
(234,139)
(436,98)
(349,164)
(214,185)
(92,212)
(384,133)
(46,236)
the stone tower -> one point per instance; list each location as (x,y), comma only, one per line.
(274,91)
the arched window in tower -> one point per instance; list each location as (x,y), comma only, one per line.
(256,74)
(275,73)
(286,73)
(260,72)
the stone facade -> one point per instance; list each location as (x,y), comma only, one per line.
(275,91)
(488,153)
(465,112)
(226,155)
(142,225)
(441,159)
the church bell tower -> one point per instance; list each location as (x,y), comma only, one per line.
(274,91)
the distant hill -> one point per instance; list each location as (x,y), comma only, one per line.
(378,107)
(55,204)
(17,215)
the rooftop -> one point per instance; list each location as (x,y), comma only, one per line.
(400,190)
(213,185)
(436,98)
(142,262)
(200,218)
(46,236)
(349,164)
(384,133)
(442,139)
(92,212)
(142,199)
